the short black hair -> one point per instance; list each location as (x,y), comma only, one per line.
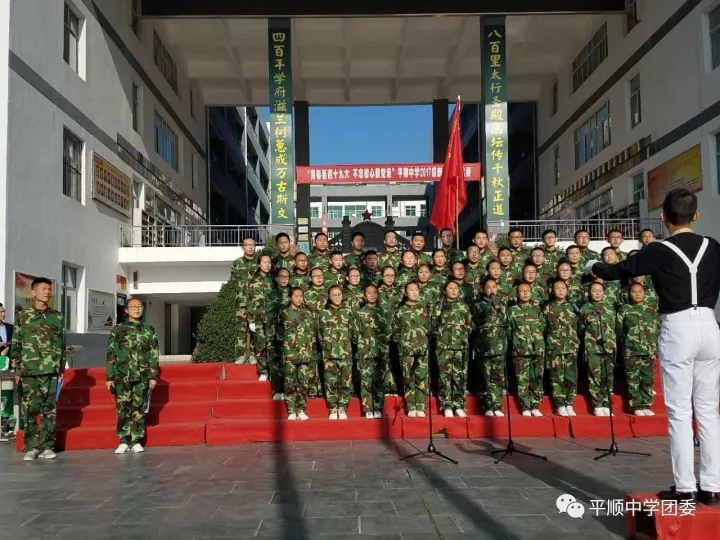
(357,233)
(293,289)
(505,248)
(481,231)
(680,206)
(529,265)
(335,252)
(388,232)
(446,229)
(581,231)
(457,262)
(646,230)
(615,231)
(317,268)
(472,246)
(426,265)
(40,281)
(301,253)
(370,252)
(610,248)
(487,266)
(382,271)
(248,238)
(318,235)
(549,231)
(633,252)
(573,246)
(417,233)
(277,273)
(515,229)
(278,236)
(537,249)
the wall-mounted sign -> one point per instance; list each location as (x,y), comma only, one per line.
(101,311)
(682,171)
(379,174)
(111,187)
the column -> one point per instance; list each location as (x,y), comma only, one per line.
(440,136)
(302,156)
(5,278)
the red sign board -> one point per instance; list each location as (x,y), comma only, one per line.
(379,174)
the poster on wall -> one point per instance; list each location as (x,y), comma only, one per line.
(120,284)
(101,311)
(682,171)
(23,292)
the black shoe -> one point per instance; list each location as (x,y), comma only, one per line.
(673,495)
(708,498)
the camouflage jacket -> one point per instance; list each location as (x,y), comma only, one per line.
(577,293)
(315,259)
(467,293)
(486,255)
(133,353)
(353,297)
(526,325)
(538,293)
(638,330)
(38,344)
(299,334)
(284,262)
(316,298)
(552,258)
(651,297)
(258,295)
(333,277)
(354,261)
(279,300)
(453,255)
(452,323)
(422,257)
(404,277)
(300,280)
(490,331)
(473,276)
(337,330)
(508,277)
(389,299)
(613,294)
(390,258)
(371,278)
(409,329)
(587,255)
(519,257)
(242,272)
(597,324)
(429,294)
(439,277)
(372,331)
(561,333)
(621,255)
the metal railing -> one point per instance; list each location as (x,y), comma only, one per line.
(566,228)
(198,235)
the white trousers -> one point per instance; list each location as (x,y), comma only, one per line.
(689,348)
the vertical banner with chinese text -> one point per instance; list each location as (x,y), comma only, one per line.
(282,170)
(494,74)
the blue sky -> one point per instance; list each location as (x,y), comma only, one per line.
(353,135)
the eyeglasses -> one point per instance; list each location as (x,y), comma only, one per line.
(135,308)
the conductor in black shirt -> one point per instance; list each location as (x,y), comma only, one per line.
(685,270)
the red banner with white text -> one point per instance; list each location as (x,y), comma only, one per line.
(379,174)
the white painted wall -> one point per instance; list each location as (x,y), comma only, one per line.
(4,92)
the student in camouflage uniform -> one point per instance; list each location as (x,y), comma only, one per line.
(615,238)
(258,296)
(509,272)
(576,293)
(489,318)
(519,252)
(337,328)
(417,246)
(372,354)
(409,329)
(504,292)
(429,292)
(646,237)
(335,275)
(285,258)
(389,298)
(391,255)
(638,329)
(300,276)
(278,302)
(406,272)
(131,372)
(613,289)
(356,258)
(538,294)
(353,295)
(582,240)
(452,254)
(467,293)
(546,274)
(242,272)
(316,298)
(573,257)
(552,255)
(371,274)
(481,240)
(651,297)
(562,344)
(597,325)
(37,358)
(451,324)
(299,328)
(320,256)
(526,324)
(440,270)
(474,272)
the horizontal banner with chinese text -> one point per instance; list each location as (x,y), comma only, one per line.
(379,174)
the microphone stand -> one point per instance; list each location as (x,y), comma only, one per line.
(613,450)
(510,449)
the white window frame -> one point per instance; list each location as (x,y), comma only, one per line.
(315,211)
(73,156)
(73,274)
(379,207)
(632,18)
(714,37)
(595,135)
(135,16)
(72,32)
(589,59)
(332,211)
(167,143)
(165,62)
(635,101)
(634,191)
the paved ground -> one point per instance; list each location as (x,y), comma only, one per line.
(321,490)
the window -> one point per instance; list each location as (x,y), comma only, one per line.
(637,184)
(69,297)
(590,57)
(355,210)
(135,16)
(193,170)
(335,212)
(165,63)
(72,166)
(137,193)
(71,43)
(631,15)
(597,208)
(555,97)
(410,211)
(314,212)
(635,101)
(714,17)
(136,107)
(423,210)
(556,165)
(166,142)
(377,211)
(592,137)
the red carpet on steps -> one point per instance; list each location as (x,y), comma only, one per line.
(704,523)
(224,404)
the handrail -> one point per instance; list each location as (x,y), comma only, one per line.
(197,235)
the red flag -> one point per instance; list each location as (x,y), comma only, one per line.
(450,197)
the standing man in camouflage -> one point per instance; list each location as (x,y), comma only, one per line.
(582,240)
(372,353)
(299,331)
(417,246)
(285,258)
(131,373)
(452,254)
(647,237)
(519,252)
(242,272)
(482,241)
(320,256)
(391,255)
(615,238)
(552,255)
(371,272)
(38,361)
(355,259)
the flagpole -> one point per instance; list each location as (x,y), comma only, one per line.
(457,191)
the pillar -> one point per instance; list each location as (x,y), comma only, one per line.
(6,280)
(440,137)
(302,158)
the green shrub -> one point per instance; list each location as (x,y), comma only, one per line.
(218,329)
(270,247)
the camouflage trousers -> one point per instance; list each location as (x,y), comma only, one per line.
(563,375)
(415,372)
(241,342)
(494,381)
(599,377)
(452,368)
(129,403)
(640,372)
(296,378)
(529,372)
(260,343)
(315,387)
(38,400)
(338,382)
(372,390)
(274,361)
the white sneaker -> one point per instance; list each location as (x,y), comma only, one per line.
(137,448)
(420,414)
(489,413)
(640,412)
(263,378)
(504,392)
(278,397)
(333,415)
(32,455)
(648,412)
(122,448)
(292,416)
(369,416)
(570,410)
(460,413)
(598,411)
(240,360)
(536,413)
(377,415)
(654,393)
(412,413)
(342,415)
(252,360)
(448,413)
(302,415)
(498,413)
(48,454)
(390,394)
(606,411)
(562,411)
(466,393)
(526,413)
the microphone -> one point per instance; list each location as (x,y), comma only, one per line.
(495,302)
(575,308)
